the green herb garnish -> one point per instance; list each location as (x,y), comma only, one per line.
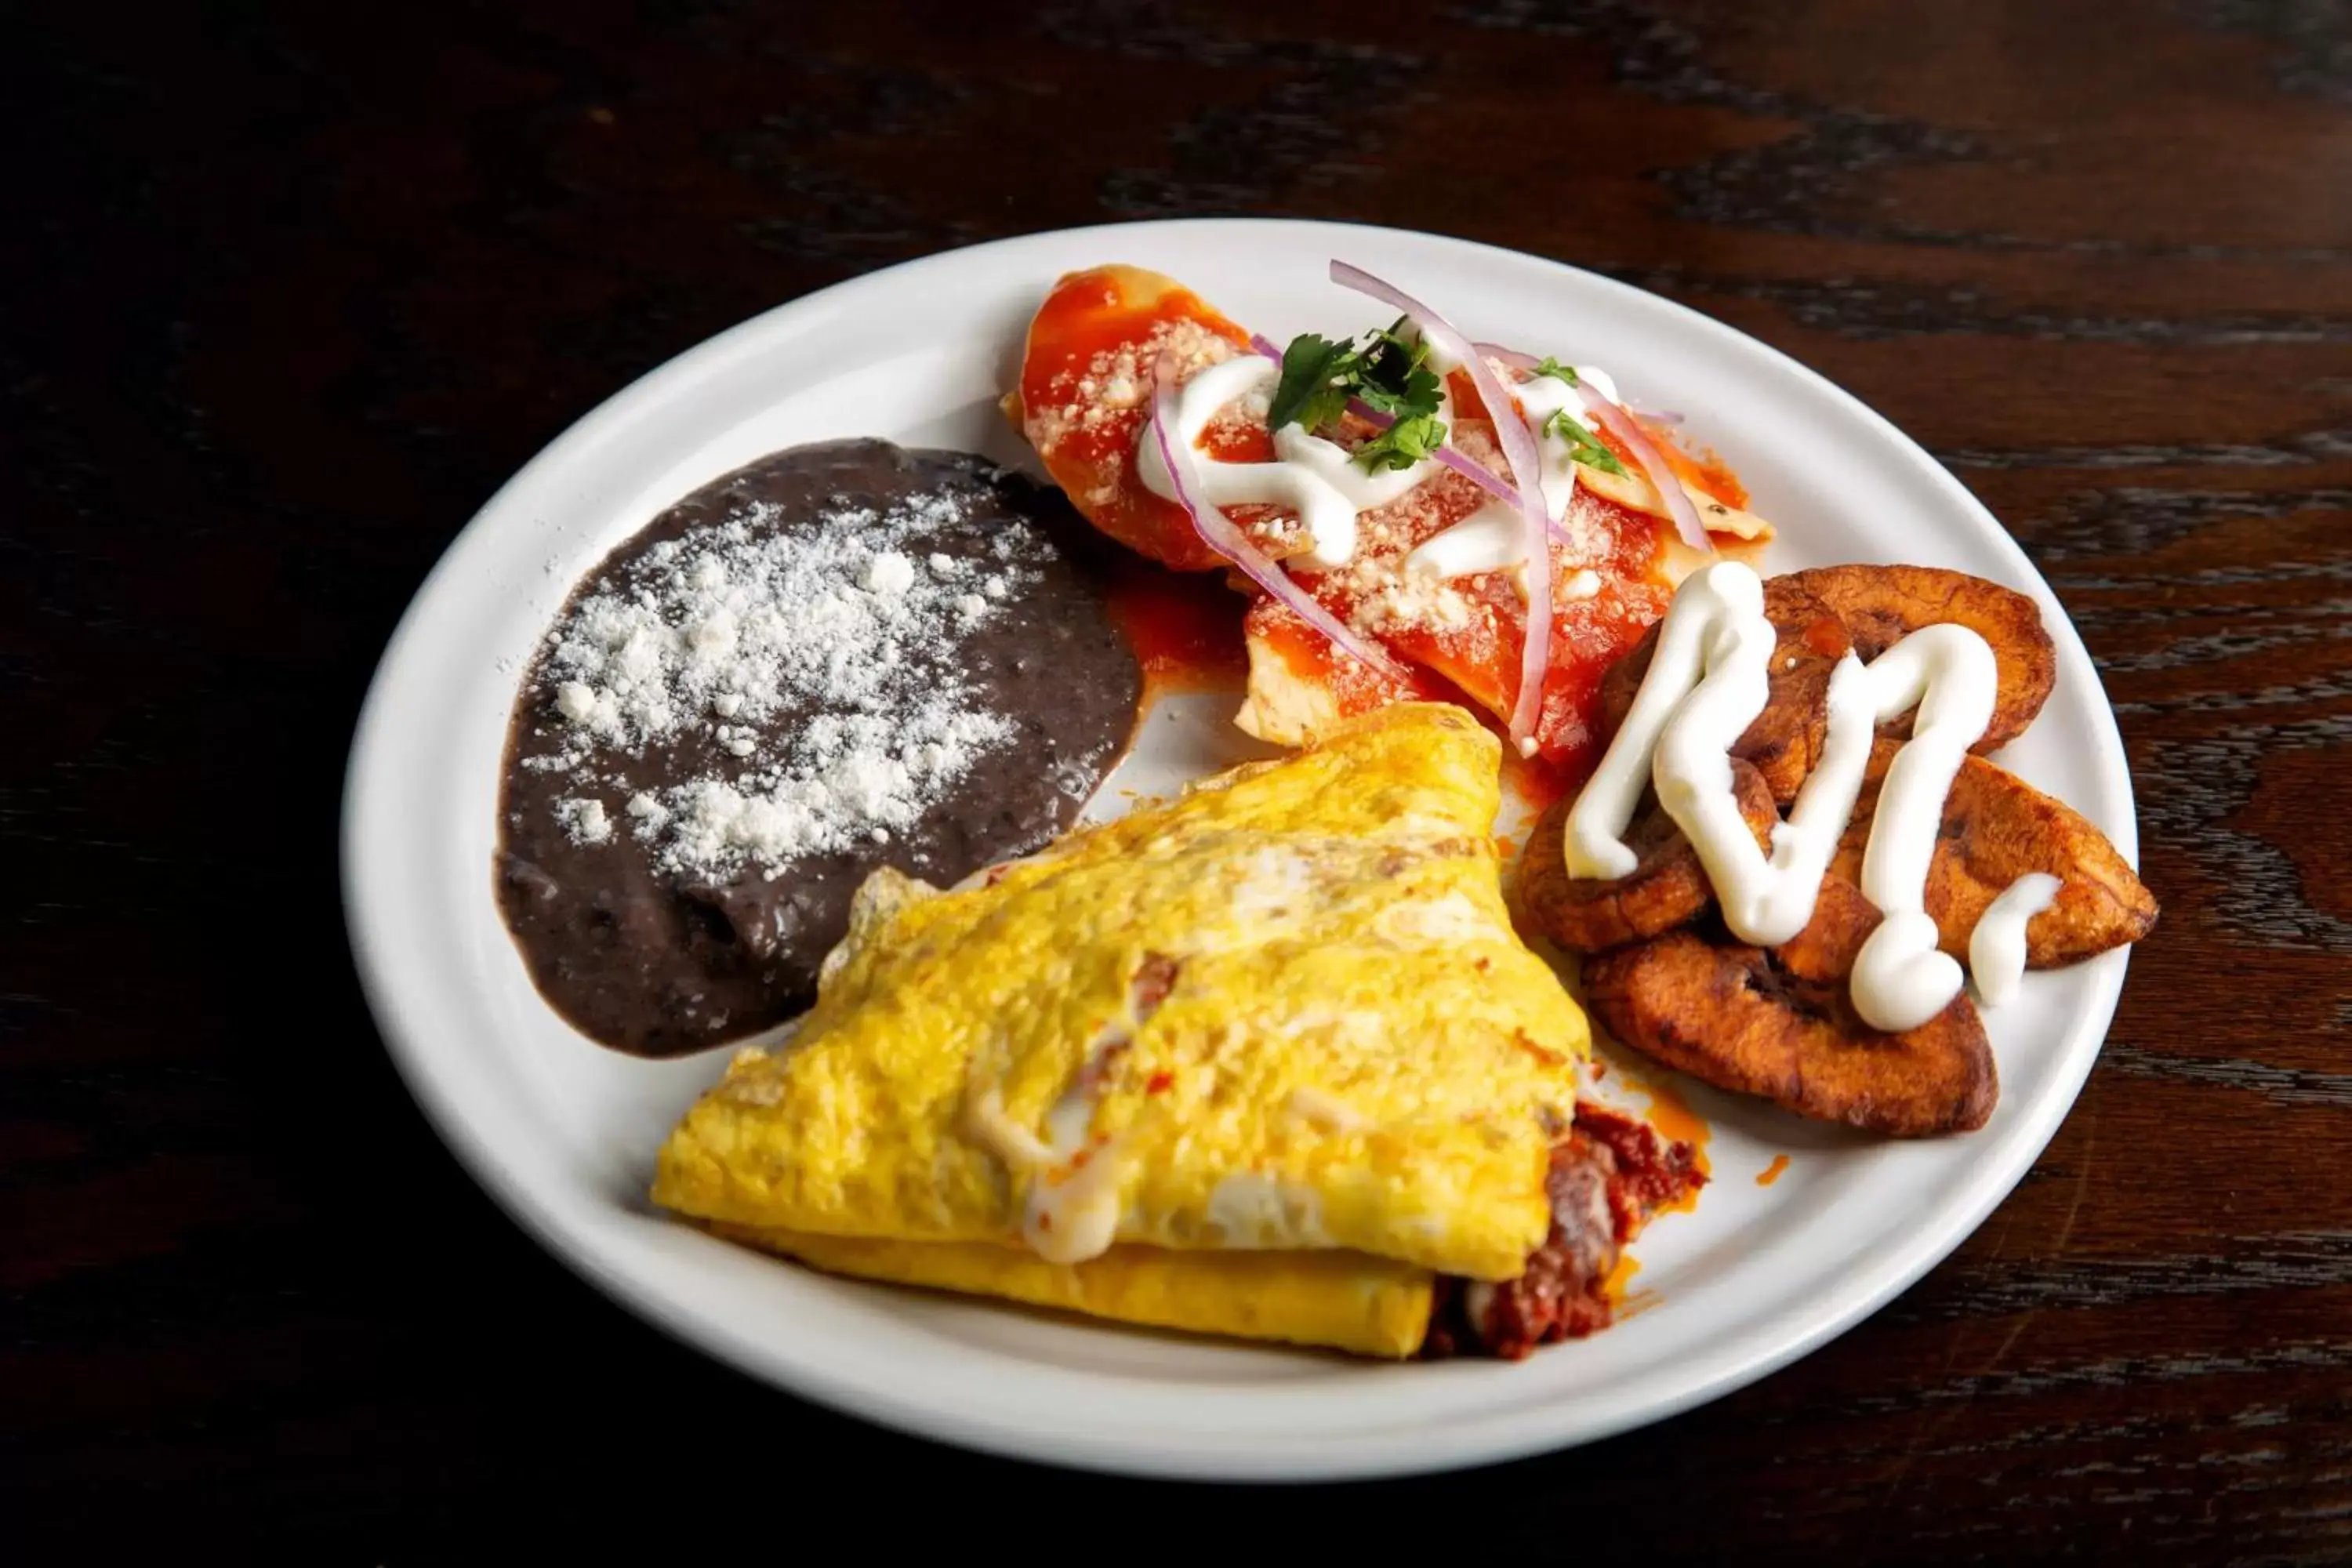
(1317,374)
(1385,371)
(1410,440)
(1583,445)
(1556,371)
(1396,376)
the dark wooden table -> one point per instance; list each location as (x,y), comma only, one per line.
(290,290)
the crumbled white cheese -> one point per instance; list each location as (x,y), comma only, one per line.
(817,662)
(584,819)
(1117,380)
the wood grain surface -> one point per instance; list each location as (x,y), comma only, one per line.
(291,290)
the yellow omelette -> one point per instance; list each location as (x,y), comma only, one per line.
(1261,1061)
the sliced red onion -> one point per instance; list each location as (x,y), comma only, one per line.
(1511,357)
(1220,533)
(1477,473)
(1462,463)
(1526,475)
(1623,426)
(1658,415)
(1486,479)
(1265,345)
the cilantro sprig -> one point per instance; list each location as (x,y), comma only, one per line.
(1583,445)
(1388,372)
(1410,440)
(1385,371)
(1317,378)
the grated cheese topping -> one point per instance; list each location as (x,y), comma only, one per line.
(815,663)
(1117,382)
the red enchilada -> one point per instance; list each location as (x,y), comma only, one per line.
(1413,592)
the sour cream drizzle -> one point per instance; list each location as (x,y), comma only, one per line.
(1708,680)
(1997,945)
(1318,480)
(1321,482)
(1490,539)
(1073,1209)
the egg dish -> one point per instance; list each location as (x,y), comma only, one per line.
(1267,1060)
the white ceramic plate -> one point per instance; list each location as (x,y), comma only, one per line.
(562,1132)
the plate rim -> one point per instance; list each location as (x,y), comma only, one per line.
(1491,1437)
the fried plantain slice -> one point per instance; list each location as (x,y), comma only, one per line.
(1668,888)
(1996,828)
(1882,604)
(1785,741)
(1779,1024)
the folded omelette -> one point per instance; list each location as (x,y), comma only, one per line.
(1265,1060)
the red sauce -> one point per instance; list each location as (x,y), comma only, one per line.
(1699,468)
(1656,1171)
(1477,666)
(1588,635)
(1538,781)
(1353,686)
(1185,627)
(1674,1121)
(1608,1178)
(1078,338)
(1771,1173)
(1107,326)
